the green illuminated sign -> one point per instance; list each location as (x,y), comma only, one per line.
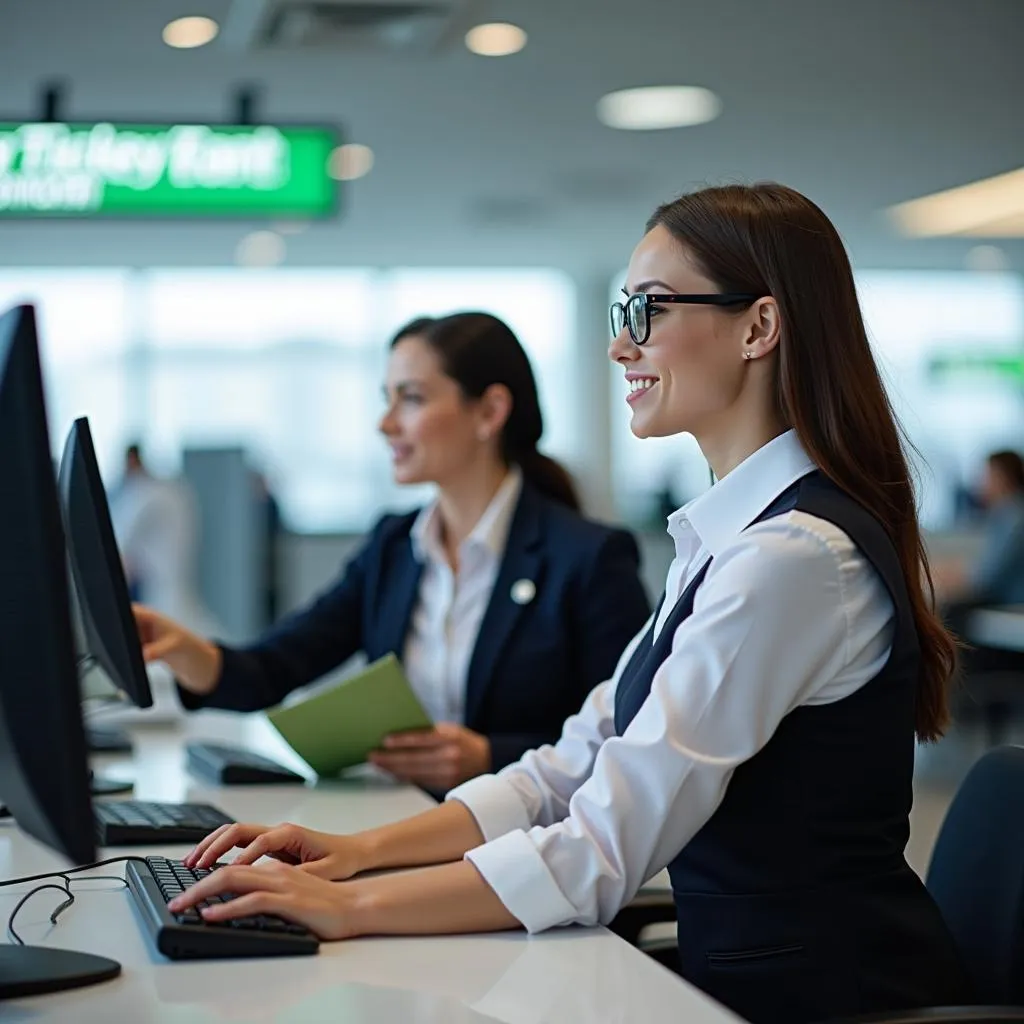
(980,365)
(186,170)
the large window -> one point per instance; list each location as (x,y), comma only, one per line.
(916,322)
(286,363)
(86,352)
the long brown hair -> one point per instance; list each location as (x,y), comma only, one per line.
(767,239)
(477,350)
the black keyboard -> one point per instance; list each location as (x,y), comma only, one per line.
(138,822)
(186,936)
(108,741)
(231,766)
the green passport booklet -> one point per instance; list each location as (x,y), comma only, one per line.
(338,728)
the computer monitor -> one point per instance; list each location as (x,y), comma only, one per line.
(111,636)
(44,776)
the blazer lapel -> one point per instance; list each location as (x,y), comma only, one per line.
(398,593)
(522,564)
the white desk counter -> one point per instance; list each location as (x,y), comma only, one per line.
(567,976)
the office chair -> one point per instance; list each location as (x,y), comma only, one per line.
(651,905)
(976,877)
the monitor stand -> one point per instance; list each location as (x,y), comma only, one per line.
(35,970)
(101,786)
(105,740)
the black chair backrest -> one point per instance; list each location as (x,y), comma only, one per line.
(976,875)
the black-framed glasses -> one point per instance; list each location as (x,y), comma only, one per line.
(635,312)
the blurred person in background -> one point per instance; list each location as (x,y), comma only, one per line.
(504,604)
(997,575)
(157,529)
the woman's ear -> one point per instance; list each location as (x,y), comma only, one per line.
(765,326)
(493,410)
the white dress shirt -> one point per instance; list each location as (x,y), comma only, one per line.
(789,613)
(450,605)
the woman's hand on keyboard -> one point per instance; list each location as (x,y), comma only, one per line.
(316,853)
(274,888)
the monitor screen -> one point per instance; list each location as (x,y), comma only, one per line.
(108,626)
(44,778)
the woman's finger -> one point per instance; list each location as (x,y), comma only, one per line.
(157,650)
(216,844)
(260,902)
(414,738)
(280,843)
(192,857)
(243,879)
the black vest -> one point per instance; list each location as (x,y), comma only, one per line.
(794,901)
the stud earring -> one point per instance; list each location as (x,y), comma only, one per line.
(748,355)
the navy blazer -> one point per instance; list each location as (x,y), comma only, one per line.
(532,665)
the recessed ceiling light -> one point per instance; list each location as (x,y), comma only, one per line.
(351,161)
(990,208)
(496,39)
(986,259)
(188,33)
(260,249)
(658,106)
(290,227)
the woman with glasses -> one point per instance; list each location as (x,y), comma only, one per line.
(757,737)
(505,605)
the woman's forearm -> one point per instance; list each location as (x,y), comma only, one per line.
(437,836)
(443,899)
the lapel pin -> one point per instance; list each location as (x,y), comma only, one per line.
(523,591)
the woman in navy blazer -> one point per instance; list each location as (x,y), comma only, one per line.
(548,601)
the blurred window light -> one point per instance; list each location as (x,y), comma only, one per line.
(88,344)
(287,363)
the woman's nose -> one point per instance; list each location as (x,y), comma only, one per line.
(622,348)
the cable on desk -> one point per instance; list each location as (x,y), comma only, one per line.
(72,871)
(65,888)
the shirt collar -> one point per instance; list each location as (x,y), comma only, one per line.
(490,533)
(735,501)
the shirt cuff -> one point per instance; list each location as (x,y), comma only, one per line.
(514,868)
(495,805)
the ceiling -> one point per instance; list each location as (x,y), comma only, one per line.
(503,162)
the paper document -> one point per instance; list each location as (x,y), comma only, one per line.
(338,728)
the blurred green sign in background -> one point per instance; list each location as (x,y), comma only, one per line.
(183,170)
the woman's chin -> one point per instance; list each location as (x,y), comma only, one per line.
(406,476)
(640,426)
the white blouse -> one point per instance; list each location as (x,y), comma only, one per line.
(450,605)
(789,613)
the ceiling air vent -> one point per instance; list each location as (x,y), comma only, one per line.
(402,26)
